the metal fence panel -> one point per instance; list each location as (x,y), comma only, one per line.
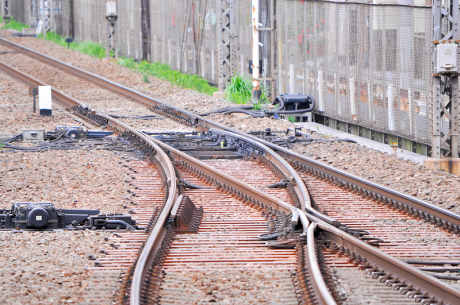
(364,64)
(185,35)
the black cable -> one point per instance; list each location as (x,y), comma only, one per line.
(251,113)
(220,110)
(141,117)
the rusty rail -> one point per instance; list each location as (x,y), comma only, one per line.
(411,205)
(404,272)
(226,182)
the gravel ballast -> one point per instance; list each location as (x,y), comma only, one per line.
(46,267)
(16,110)
(435,187)
(67,178)
(228,287)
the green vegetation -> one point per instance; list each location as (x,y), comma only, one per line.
(90,48)
(164,72)
(292,119)
(2,145)
(161,71)
(239,91)
(14,25)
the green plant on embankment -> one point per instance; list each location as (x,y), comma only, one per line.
(161,71)
(14,25)
(239,91)
(90,48)
(164,72)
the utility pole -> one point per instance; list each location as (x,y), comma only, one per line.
(445,90)
(112,36)
(47,15)
(256,92)
(257,66)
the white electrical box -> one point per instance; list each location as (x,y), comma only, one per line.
(45,100)
(111,8)
(447,57)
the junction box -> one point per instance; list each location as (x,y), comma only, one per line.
(35,136)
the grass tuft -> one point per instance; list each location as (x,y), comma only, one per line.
(14,25)
(90,48)
(239,91)
(164,72)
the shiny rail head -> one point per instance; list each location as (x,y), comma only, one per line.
(377,258)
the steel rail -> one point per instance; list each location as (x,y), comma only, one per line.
(277,160)
(220,179)
(413,206)
(156,235)
(322,293)
(397,268)
(153,243)
(410,204)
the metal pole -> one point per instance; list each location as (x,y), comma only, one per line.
(256,92)
(445,95)
(272,49)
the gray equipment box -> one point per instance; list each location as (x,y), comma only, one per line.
(110,8)
(29,31)
(35,136)
(447,57)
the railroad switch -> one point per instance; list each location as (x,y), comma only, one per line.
(202,145)
(45,216)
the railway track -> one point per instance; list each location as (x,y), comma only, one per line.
(311,285)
